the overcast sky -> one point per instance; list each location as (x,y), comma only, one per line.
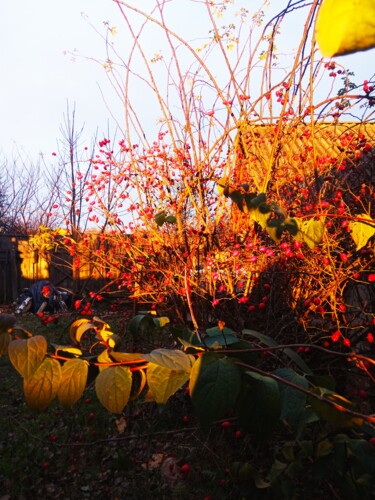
(39,76)
(37,79)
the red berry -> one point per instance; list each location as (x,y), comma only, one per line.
(336,336)
(225,424)
(372,441)
(346,342)
(185,468)
(371,277)
(370,338)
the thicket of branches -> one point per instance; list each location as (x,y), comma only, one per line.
(206,102)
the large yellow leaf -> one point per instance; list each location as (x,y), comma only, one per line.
(310,231)
(27,355)
(40,389)
(4,342)
(345,26)
(113,388)
(163,383)
(361,231)
(73,381)
(171,359)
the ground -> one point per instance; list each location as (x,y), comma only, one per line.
(148,451)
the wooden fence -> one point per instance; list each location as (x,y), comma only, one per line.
(20,267)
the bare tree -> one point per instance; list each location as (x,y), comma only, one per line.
(24,205)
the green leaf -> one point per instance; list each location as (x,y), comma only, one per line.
(289,352)
(249,358)
(141,323)
(160,218)
(362,232)
(274,223)
(220,340)
(292,401)
(248,197)
(171,359)
(214,386)
(238,198)
(258,200)
(217,331)
(259,405)
(334,414)
(345,26)
(171,219)
(291,226)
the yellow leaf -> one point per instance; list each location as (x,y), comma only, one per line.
(126,356)
(222,184)
(272,233)
(345,26)
(311,232)
(62,349)
(105,360)
(78,328)
(171,359)
(113,388)
(138,384)
(73,381)
(163,320)
(163,383)
(362,232)
(113,340)
(194,374)
(4,342)
(40,389)
(27,355)
(261,218)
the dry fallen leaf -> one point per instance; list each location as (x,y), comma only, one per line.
(170,471)
(121,425)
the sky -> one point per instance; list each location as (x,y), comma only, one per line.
(42,71)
